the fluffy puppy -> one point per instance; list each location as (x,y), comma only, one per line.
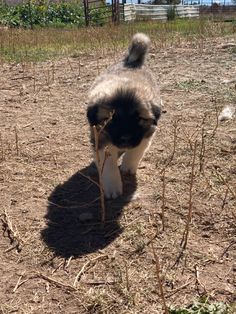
(124,104)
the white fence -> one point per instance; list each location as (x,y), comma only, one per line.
(134,12)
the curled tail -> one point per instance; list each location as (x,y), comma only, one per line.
(137,50)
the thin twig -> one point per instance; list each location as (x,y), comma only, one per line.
(27,125)
(150,240)
(203,146)
(11,233)
(191,138)
(17,141)
(107,154)
(79,69)
(225,183)
(190,207)
(179,288)
(99,283)
(184,240)
(228,247)
(127,277)
(98,66)
(217,117)
(55,161)
(159,280)
(198,282)
(68,60)
(2,150)
(163,200)
(80,273)
(99,166)
(68,262)
(100,163)
(171,157)
(53,72)
(225,197)
(34,78)
(19,283)
(87,265)
(87,177)
(55,282)
(75,206)
(60,264)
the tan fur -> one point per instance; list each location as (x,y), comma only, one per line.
(128,75)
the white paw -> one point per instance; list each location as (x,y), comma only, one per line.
(112,186)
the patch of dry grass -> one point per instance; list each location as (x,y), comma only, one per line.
(22,45)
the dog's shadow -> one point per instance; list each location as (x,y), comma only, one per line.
(74,215)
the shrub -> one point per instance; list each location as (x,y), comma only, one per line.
(35,13)
(98,16)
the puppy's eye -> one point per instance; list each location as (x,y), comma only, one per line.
(99,115)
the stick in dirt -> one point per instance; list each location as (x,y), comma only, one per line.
(159,280)
(99,166)
(101,163)
(190,207)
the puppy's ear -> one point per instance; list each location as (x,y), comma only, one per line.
(92,115)
(156,112)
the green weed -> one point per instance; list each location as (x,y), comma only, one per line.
(204,307)
(190,84)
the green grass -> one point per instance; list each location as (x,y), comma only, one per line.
(190,84)
(22,45)
(203,306)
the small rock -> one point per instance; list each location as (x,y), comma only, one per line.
(229,81)
(227,45)
(135,196)
(227,113)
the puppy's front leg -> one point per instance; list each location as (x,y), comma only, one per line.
(111,178)
(133,156)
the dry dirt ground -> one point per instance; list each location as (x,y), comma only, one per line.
(55,256)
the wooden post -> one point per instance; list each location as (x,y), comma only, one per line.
(86,12)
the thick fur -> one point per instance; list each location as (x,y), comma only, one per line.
(125,104)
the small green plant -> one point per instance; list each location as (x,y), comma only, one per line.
(203,307)
(190,84)
(233,50)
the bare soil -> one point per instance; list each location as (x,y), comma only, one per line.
(55,256)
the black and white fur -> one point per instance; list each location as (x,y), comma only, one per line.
(127,101)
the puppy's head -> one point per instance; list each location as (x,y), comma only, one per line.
(126,119)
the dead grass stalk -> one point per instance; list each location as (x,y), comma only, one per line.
(2,148)
(12,234)
(190,206)
(17,141)
(100,166)
(163,199)
(159,280)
